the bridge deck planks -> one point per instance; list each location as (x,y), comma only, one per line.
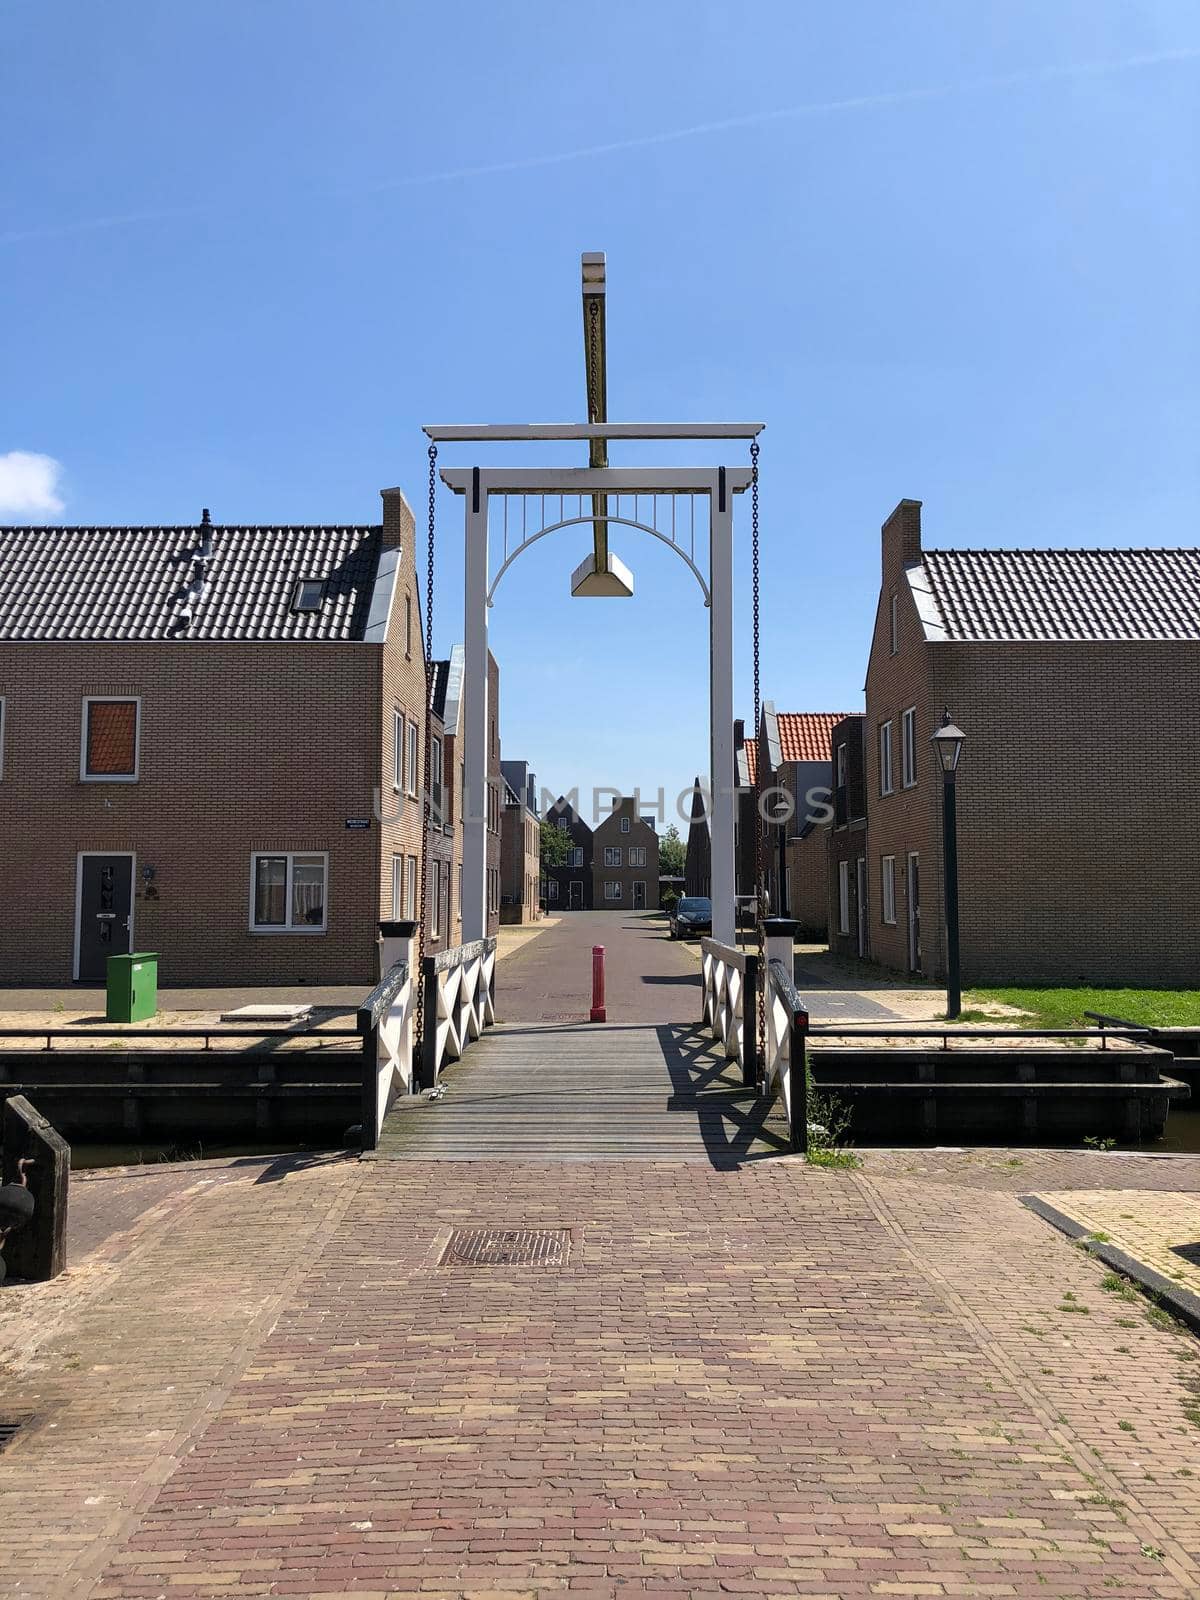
(563,1092)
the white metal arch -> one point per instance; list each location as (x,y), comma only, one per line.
(572,522)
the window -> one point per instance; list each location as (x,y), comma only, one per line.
(563,825)
(908,747)
(397,751)
(889,888)
(460,888)
(2,732)
(612,891)
(410,888)
(308,594)
(408,619)
(435,905)
(637,856)
(397,888)
(109,743)
(624,824)
(885,757)
(575,858)
(410,760)
(493,889)
(435,777)
(612,855)
(843,897)
(287,892)
(551,889)
(894,633)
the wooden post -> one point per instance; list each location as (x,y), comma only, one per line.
(37,1251)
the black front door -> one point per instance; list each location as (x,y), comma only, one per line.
(105,907)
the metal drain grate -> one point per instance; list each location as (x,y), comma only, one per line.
(507,1247)
(8,1432)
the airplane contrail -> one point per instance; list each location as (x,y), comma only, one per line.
(752,119)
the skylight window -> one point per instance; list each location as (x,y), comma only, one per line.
(309,594)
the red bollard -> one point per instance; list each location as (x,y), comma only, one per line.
(598,984)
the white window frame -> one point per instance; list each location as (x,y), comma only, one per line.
(410,889)
(435,914)
(625,824)
(908,747)
(412,756)
(3,730)
(397,888)
(843,897)
(110,777)
(612,889)
(551,890)
(886,785)
(303,930)
(575,857)
(887,890)
(637,855)
(397,750)
(840,761)
(612,855)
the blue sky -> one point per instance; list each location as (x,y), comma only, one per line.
(945,251)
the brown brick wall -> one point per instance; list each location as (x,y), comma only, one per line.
(905,820)
(243,747)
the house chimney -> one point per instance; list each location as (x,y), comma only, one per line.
(901,539)
(205,550)
(399,525)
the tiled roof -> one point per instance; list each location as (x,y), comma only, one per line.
(806,735)
(1029,595)
(803,736)
(133,583)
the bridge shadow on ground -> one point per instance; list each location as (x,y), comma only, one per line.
(732,1118)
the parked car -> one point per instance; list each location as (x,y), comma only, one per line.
(692,916)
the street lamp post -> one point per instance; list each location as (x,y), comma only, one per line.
(948,742)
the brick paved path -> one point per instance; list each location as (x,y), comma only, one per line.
(773,1380)
(650,977)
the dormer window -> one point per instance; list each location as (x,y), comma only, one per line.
(309,594)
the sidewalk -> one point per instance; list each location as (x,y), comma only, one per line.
(769,1381)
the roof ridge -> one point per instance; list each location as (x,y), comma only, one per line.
(1068,550)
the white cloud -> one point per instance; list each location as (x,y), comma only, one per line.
(29,485)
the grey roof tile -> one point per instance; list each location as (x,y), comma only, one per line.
(132,583)
(992,596)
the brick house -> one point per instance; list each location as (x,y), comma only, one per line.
(520,845)
(210,747)
(697,870)
(793,751)
(849,915)
(794,748)
(1075,675)
(447,691)
(625,860)
(442,866)
(569,887)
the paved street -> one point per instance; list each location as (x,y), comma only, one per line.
(773,1380)
(751,1377)
(650,977)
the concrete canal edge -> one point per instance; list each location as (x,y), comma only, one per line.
(1180,1302)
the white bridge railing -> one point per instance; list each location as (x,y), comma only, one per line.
(785,1070)
(385,1021)
(730,979)
(458,1003)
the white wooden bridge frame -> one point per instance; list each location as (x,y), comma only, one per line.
(558,487)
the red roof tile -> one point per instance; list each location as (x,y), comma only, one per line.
(803,736)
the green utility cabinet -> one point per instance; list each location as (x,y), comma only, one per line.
(132,987)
